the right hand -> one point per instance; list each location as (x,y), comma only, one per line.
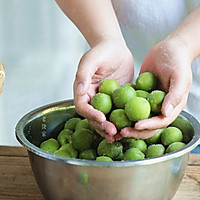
(2,76)
(107,59)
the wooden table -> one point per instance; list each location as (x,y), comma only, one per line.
(17,181)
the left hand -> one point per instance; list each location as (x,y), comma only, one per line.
(170,61)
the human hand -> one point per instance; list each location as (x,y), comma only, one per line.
(2,76)
(110,59)
(170,61)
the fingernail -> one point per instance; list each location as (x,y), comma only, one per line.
(169,109)
(79,88)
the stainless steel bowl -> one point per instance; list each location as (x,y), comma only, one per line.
(61,178)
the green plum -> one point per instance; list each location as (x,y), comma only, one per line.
(119,119)
(175,146)
(82,124)
(133,154)
(112,150)
(82,139)
(108,86)
(50,145)
(103,158)
(171,134)
(137,109)
(129,84)
(155,150)
(70,149)
(155,99)
(62,152)
(127,142)
(102,102)
(88,154)
(65,136)
(146,81)
(140,144)
(122,95)
(155,139)
(142,93)
(71,123)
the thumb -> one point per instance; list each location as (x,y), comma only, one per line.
(178,89)
(84,74)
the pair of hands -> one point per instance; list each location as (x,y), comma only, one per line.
(111,59)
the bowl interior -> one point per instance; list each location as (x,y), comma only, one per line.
(47,121)
(48,124)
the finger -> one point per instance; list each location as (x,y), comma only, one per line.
(106,126)
(118,136)
(138,134)
(177,90)
(158,122)
(86,110)
(109,138)
(87,67)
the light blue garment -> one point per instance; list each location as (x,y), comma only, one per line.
(196,150)
(146,23)
(40,48)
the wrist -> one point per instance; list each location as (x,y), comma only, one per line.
(187,41)
(181,43)
(104,38)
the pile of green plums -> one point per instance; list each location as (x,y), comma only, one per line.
(124,105)
(79,140)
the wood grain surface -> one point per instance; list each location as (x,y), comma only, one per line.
(17,181)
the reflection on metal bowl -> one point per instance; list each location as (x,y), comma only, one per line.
(63,178)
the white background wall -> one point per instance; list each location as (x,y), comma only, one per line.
(40,49)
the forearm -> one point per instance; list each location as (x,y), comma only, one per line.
(95,19)
(188,33)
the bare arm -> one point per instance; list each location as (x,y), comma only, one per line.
(108,57)
(95,19)
(188,33)
(172,58)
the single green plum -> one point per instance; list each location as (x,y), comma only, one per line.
(112,150)
(62,152)
(146,81)
(119,119)
(103,158)
(133,154)
(155,99)
(108,86)
(82,124)
(70,149)
(175,146)
(65,136)
(142,93)
(171,134)
(71,123)
(155,139)
(122,95)
(155,150)
(50,145)
(102,102)
(88,154)
(82,139)
(140,144)
(137,109)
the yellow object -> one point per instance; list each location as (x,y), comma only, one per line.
(2,76)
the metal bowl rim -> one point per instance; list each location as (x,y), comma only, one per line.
(36,150)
